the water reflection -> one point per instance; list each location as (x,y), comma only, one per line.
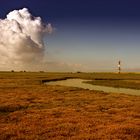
(80,83)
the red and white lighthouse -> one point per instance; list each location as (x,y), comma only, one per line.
(119,66)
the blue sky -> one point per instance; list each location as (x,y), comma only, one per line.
(97,46)
(90,35)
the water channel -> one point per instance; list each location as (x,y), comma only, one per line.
(80,84)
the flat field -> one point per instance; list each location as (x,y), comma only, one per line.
(31,110)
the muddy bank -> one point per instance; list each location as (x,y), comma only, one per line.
(56,79)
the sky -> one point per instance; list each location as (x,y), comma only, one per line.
(88,35)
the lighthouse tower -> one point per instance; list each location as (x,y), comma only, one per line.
(119,66)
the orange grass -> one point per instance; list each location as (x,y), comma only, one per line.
(41,112)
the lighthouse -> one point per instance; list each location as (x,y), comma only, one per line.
(119,66)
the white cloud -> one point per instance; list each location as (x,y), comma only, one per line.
(21,41)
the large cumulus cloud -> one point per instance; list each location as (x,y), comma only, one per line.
(21,40)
